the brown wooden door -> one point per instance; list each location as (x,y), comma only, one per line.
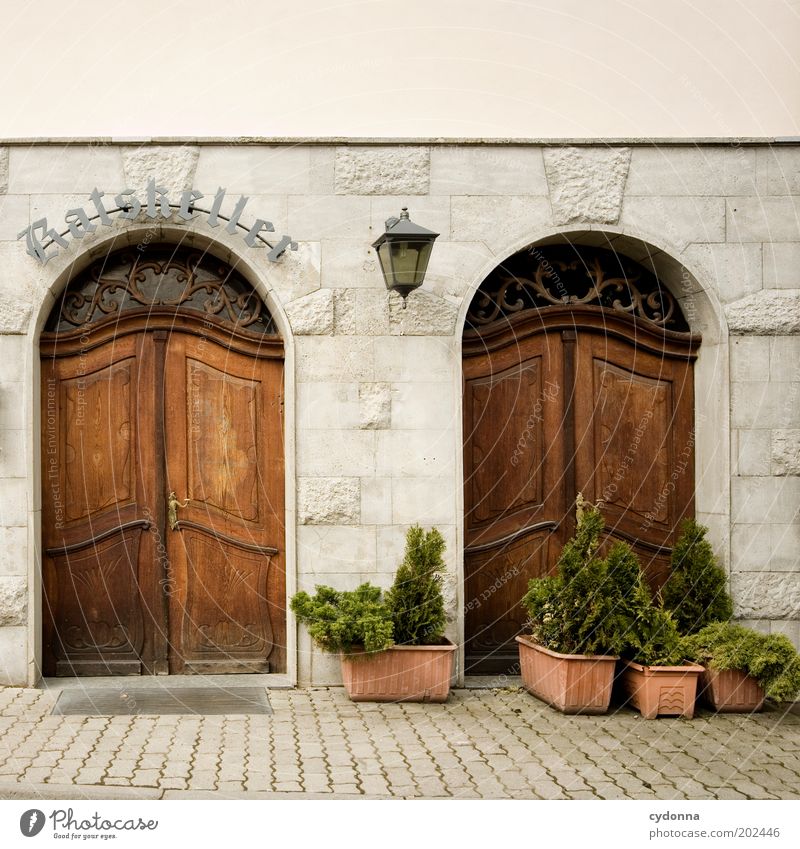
(129,413)
(556,403)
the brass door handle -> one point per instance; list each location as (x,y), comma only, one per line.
(172,509)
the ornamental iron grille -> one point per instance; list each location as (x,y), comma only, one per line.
(568,276)
(162,277)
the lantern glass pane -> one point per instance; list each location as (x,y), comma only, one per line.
(405,256)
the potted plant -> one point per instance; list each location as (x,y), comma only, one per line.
(391,645)
(578,622)
(743,667)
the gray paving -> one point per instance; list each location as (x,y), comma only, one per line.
(484,743)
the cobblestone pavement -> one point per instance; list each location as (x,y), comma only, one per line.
(481,744)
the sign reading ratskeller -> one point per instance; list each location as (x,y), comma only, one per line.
(43,241)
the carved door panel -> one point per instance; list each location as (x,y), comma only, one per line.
(635,443)
(514,489)
(100,570)
(224,450)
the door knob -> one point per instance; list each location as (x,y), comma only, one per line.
(172,509)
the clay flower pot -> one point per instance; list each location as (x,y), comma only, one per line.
(731,690)
(571,683)
(400,674)
(661,690)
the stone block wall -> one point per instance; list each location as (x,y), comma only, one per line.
(374,390)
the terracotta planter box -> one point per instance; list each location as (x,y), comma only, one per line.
(571,683)
(731,691)
(661,690)
(400,674)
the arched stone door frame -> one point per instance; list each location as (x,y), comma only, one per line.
(699,301)
(49,281)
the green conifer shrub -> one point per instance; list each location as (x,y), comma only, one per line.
(695,592)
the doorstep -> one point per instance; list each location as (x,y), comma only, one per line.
(269,681)
(491,682)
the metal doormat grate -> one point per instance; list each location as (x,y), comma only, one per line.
(201,701)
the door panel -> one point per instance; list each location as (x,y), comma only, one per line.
(224,449)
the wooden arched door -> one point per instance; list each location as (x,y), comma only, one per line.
(162,474)
(578,377)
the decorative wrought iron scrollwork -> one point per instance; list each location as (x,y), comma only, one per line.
(161,277)
(538,278)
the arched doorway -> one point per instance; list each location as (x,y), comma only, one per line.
(578,377)
(162,471)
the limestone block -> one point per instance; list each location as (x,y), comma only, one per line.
(336,453)
(689,171)
(788,628)
(336,550)
(14,217)
(751,547)
(784,358)
(487,170)
(13,355)
(382,170)
(763,219)
(678,220)
(496,221)
(455,268)
(586,184)
(433,213)
(13,462)
(784,545)
(749,358)
(265,169)
(317,217)
(786,451)
(172,166)
(734,269)
(406,358)
(13,601)
(344,312)
(13,551)
(773,500)
(771,311)
(326,669)
(327,405)
(415,497)
(778,170)
(765,405)
(312,315)
(423,314)
(416,453)
(297,273)
(328,501)
(350,263)
(782,265)
(334,358)
(752,456)
(66,169)
(376,501)
(13,656)
(3,170)
(14,502)
(424,406)
(766,595)
(375,405)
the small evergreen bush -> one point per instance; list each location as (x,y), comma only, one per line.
(415,599)
(695,591)
(770,659)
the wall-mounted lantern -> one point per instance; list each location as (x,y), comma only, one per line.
(403,251)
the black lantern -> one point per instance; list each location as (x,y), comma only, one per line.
(404,250)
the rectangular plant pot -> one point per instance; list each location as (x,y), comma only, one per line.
(571,683)
(661,690)
(400,674)
(731,691)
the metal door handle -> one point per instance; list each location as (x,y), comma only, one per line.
(172,509)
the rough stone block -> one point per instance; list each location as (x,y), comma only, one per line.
(344,312)
(692,171)
(3,170)
(752,457)
(768,312)
(763,219)
(371,312)
(13,601)
(375,405)
(423,314)
(766,595)
(586,184)
(15,313)
(498,222)
(172,166)
(778,170)
(677,220)
(786,451)
(734,269)
(781,265)
(13,656)
(66,169)
(312,315)
(382,170)
(328,501)
(487,170)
